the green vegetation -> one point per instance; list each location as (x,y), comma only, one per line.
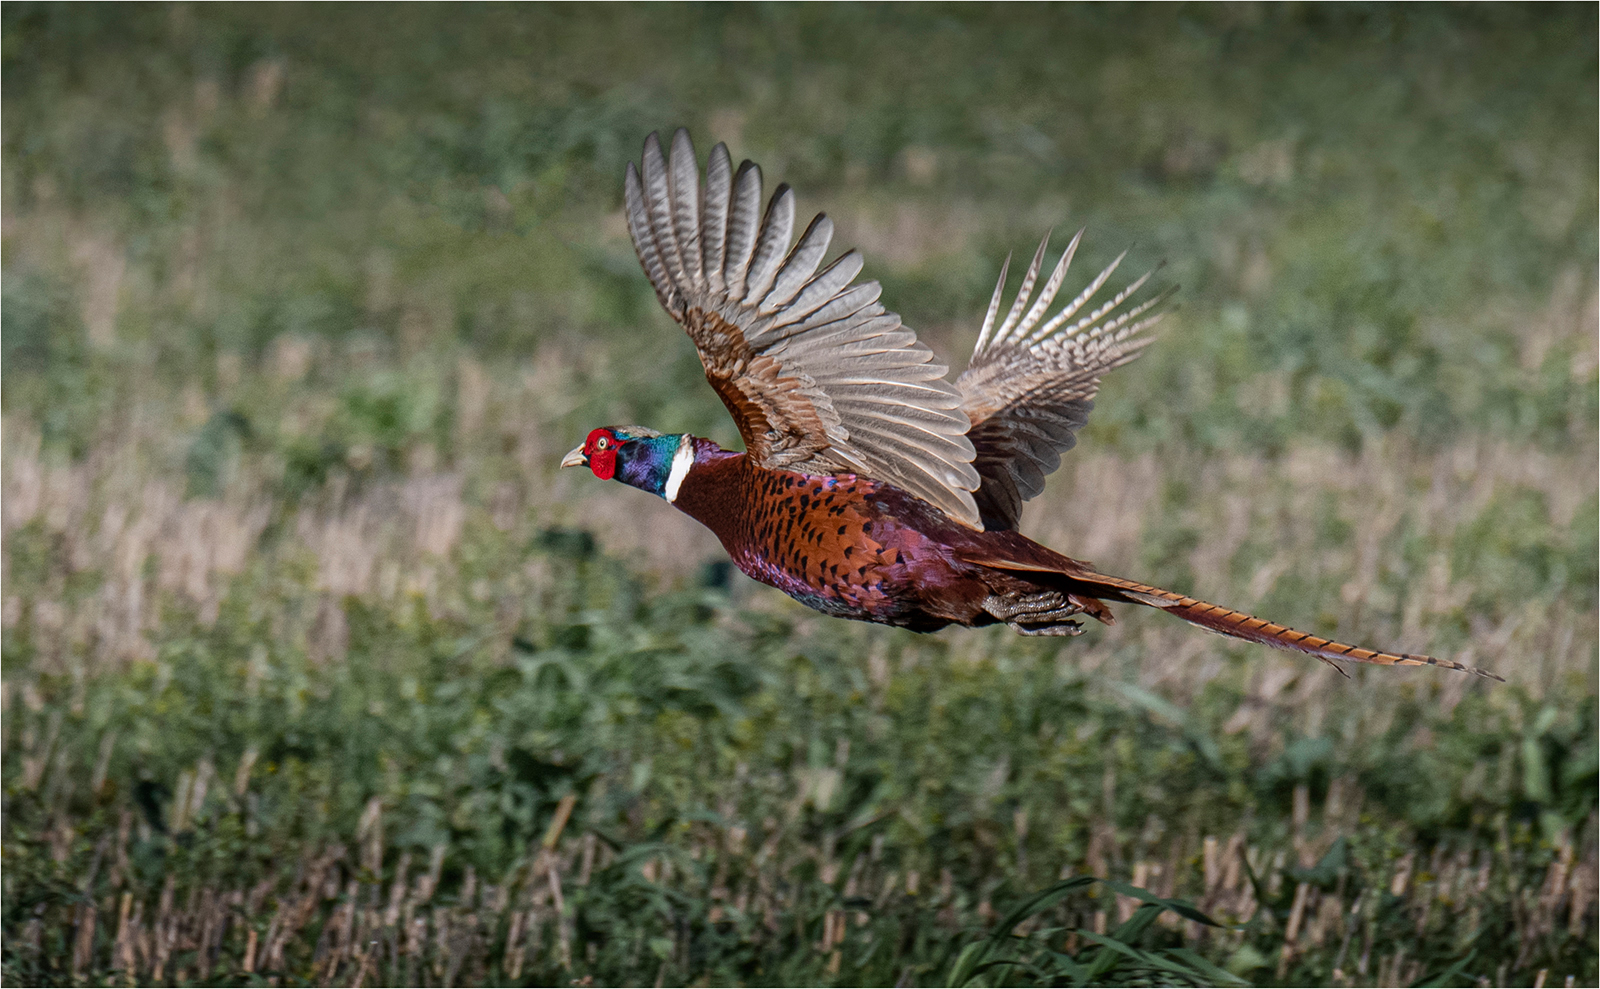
(317,671)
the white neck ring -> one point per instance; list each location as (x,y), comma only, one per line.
(682,461)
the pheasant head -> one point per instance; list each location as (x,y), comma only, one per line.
(638,457)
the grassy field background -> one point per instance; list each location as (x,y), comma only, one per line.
(315,670)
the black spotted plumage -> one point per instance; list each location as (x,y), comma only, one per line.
(870,487)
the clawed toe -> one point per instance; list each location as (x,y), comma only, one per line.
(1059,628)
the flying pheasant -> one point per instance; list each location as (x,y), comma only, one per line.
(870,487)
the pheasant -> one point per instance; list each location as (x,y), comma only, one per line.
(870,487)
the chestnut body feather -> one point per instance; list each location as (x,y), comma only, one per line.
(846,545)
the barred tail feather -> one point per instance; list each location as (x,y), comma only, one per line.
(1239,625)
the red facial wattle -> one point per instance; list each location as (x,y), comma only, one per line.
(601,449)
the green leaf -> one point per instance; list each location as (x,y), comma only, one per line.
(1211,973)
(1246,960)
(1535,771)
(1040,902)
(1180,907)
(1455,975)
(1111,950)
(1203,743)
(967,963)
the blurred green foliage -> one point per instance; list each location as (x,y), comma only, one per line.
(1382,167)
(273,274)
(657,716)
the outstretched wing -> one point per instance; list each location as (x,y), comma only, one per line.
(819,377)
(1031,383)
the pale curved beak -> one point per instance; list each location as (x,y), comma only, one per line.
(575,459)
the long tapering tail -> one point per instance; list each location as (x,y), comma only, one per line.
(1239,625)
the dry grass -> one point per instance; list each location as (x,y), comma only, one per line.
(333,920)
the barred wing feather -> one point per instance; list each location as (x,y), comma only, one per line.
(1031,382)
(818,376)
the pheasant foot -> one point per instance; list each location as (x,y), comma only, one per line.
(1059,628)
(1040,613)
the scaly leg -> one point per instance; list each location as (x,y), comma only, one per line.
(1041,613)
